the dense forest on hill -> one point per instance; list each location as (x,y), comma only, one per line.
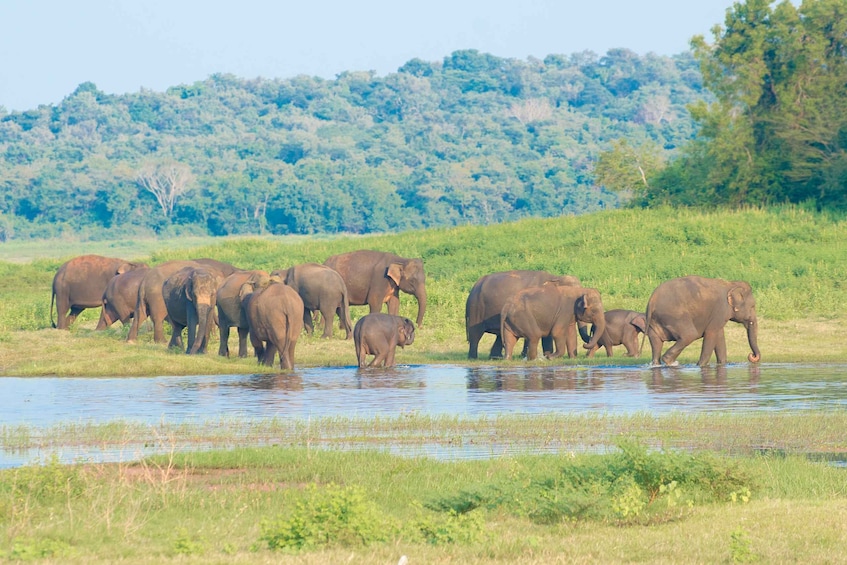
(471,139)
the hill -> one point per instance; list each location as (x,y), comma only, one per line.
(471,139)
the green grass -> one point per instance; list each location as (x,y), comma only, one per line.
(317,503)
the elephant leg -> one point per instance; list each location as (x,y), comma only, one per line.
(75,311)
(656,344)
(532,348)
(223,348)
(258,348)
(674,350)
(713,341)
(327,314)
(389,357)
(242,342)
(308,325)
(192,332)
(176,336)
(378,360)
(560,342)
(270,354)
(158,320)
(509,340)
(496,348)
(475,334)
(547,344)
(289,352)
(394,303)
(630,342)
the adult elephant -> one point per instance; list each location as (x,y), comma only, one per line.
(190,296)
(80,283)
(622,328)
(488,296)
(230,312)
(377,277)
(551,310)
(119,298)
(689,308)
(149,302)
(322,289)
(275,317)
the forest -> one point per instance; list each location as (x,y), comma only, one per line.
(471,139)
(757,116)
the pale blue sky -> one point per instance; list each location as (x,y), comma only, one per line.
(49,47)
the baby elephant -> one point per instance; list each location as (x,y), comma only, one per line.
(378,335)
(622,328)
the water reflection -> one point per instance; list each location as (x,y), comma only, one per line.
(424,389)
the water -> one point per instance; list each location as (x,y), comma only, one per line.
(422,389)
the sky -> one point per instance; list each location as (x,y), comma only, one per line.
(49,47)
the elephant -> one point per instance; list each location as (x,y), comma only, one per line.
(275,318)
(190,296)
(377,277)
(622,328)
(150,302)
(551,310)
(79,284)
(230,312)
(487,298)
(322,289)
(119,298)
(689,308)
(379,335)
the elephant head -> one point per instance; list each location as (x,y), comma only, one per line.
(742,305)
(129,266)
(201,291)
(406,331)
(588,309)
(410,277)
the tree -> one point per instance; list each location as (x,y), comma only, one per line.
(625,169)
(167,182)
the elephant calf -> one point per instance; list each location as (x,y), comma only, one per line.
(622,328)
(379,335)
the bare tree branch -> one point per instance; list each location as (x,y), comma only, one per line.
(167,182)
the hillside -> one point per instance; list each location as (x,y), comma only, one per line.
(471,139)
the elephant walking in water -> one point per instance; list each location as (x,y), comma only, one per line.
(689,308)
(379,335)
(487,298)
(551,310)
(230,311)
(275,317)
(376,277)
(80,284)
(622,328)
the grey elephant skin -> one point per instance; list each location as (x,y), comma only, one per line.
(149,302)
(622,328)
(230,311)
(323,290)
(119,298)
(379,335)
(374,278)
(551,310)
(80,283)
(190,296)
(275,318)
(488,296)
(689,308)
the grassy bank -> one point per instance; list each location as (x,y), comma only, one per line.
(792,258)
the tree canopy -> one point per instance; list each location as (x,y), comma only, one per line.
(473,138)
(776,130)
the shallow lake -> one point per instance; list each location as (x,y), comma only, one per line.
(422,389)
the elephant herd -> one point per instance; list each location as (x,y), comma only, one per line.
(272,309)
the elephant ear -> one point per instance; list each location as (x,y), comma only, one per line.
(640,323)
(123,268)
(245,290)
(395,273)
(735,297)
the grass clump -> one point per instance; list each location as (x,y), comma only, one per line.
(632,485)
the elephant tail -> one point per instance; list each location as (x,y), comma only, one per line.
(52,301)
(344,314)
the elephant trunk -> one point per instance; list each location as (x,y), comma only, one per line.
(753,340)
(421,296)
(584,332)
(599,330)
(205,317)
